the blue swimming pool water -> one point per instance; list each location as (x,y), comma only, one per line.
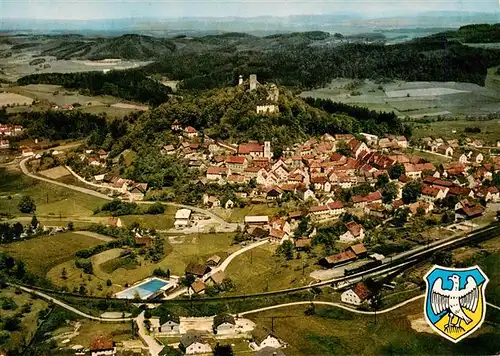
(144,290)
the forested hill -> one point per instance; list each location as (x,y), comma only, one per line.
(481,33)
(125,47)
(306,65)
(131,84)
(230,114)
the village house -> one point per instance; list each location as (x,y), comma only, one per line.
(190,132)
(467,209)
(176,126)
(102,345)
(303,244)
(338,259)
(357,295)
(224,324)
(360,201)
(114,222)
(236,163)
(217,278)
(166,324)
(182,218)
(420,207)
(358,249)
(138,191)
(267,107)
(144,241)
(10,130)
(215,173)
(198,287)
(197,270)
(27,151)
(445,150)
(192,343)
(213,261)
(354,232)
(433,193)
(262,339)
(4,144)
(357,147)
(262,220)
(168,150)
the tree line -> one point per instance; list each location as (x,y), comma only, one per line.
(130,84)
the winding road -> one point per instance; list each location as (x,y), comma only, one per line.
(218,219)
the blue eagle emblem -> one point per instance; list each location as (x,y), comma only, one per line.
(455,304)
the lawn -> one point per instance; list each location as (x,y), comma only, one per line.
(336,332)
(159,222)
(238,214)
(51,200)
(29,319)
(90,329)
(433,158)
(40,254)
(258,270)
(490,130)
(179,252)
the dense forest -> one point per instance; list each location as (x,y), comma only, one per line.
(480,33)
(127,84)
(60,125)
(307,66)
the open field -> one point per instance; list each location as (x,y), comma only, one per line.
(130,106)
(55,173)
(238,214)
(337,332)
(258,270)
(433,158)
(29,319)
(490,130)
(415,99)
(179,252)
(10,99)
(159,222)
(90,329)
(51,200)
(40,254)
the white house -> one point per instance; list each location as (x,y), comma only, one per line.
(355,232)
(224,324)
(356,295)
(192,343)
(262,340)
(182,218)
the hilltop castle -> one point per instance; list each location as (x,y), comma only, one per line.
(270,105)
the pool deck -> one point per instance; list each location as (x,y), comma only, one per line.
(126,293)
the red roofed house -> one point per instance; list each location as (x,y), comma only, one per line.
(102,345)
(338,259)
(236,163)
(359,250)
(357,147)
(356,295)
(252,149)
(190,132)
(354,232)
(217,173)
(466,209)
(433,193)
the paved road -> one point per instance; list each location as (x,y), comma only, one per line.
(24,169)
(154,346)
(68,307)
(338,305)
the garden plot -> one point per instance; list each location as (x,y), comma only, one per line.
(55,173)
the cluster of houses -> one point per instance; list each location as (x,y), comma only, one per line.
(224,325)
(9,131)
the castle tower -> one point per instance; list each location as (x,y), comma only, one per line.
(267,150)
(240,80)
(253,81)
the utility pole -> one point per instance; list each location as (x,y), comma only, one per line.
(251,257)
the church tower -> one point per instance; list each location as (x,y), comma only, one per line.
(240,80)
(267,150)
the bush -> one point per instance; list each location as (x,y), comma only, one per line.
(85,265)
(27,205)
(8,304)
(155,209)
(12,323)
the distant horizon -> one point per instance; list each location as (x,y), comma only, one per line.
(94,10)
(378,16)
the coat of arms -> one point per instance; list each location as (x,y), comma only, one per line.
(455,304)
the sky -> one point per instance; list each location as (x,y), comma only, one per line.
(113,9)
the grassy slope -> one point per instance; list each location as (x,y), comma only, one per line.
(50,200)
(28,321)
(258,271)
(42,253)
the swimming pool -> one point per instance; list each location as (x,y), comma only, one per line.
(145,289)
